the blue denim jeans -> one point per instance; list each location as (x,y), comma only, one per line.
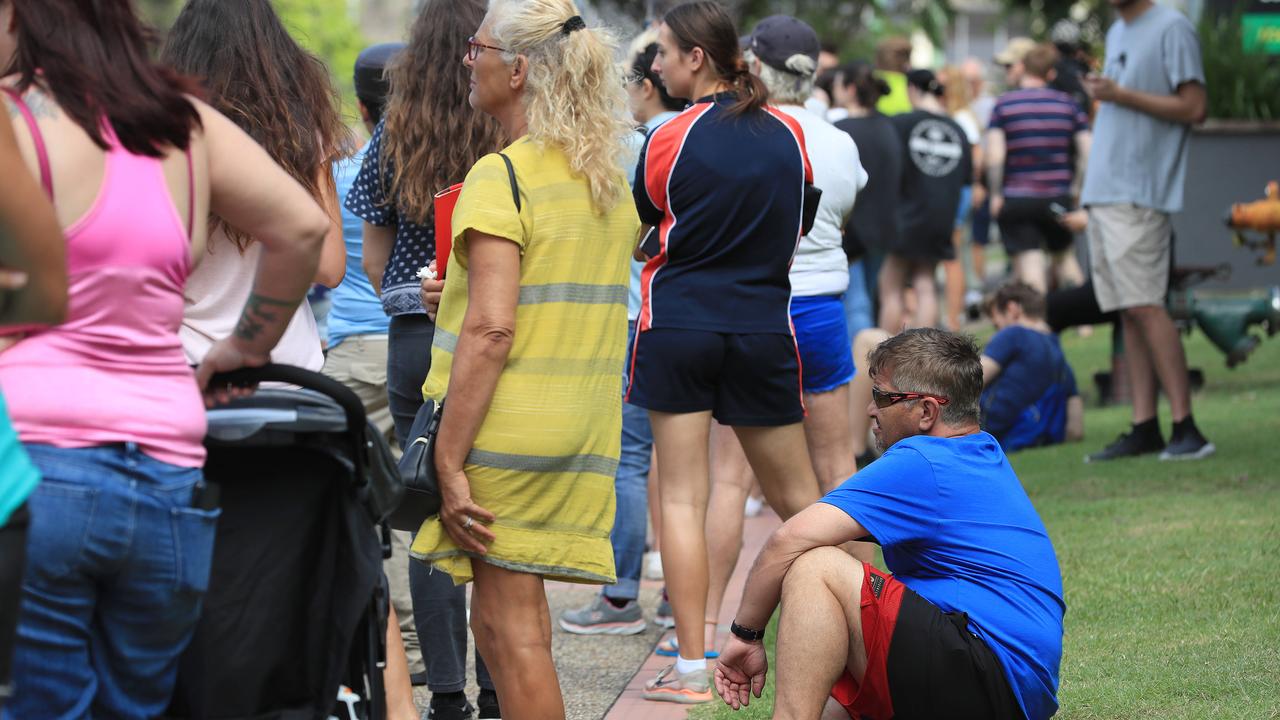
(439,608)
(118,564)
(631,486)
(858,308)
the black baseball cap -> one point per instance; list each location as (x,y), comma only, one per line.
(370,84)
(777,38)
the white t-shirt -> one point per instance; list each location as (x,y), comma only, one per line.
(820,266)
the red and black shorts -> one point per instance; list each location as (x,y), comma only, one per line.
(922,663)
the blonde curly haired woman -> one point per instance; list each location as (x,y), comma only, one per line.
(529,338)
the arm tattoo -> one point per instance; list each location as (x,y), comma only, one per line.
(260,311)
(42,106)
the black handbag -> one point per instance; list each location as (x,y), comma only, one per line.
(418,464)
(418,471)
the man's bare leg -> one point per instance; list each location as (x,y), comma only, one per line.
(819,632)
(1138,364)
(1167,357)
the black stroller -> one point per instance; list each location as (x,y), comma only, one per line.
(297,605)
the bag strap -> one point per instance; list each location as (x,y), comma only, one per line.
(42,152)
(511,174)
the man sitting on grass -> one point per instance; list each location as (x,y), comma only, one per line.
(970,624)
(1030,397)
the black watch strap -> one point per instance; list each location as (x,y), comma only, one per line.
(746,634)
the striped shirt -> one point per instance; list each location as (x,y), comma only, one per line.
(1039,127)
(545,456)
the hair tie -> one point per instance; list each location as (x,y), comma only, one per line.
(574,23)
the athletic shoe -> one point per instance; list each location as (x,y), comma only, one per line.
(487,701)
(1130,444)
(687,689)
(1189,445)
(665,617)
(448,708)
(671,648)
(653,566)
(601,617)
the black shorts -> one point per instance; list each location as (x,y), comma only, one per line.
(1029,224)
(744,379)
(922,663)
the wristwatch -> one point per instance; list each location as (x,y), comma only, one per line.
(746,634)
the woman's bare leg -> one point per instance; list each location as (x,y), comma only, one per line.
(395,676)
(512,625)
(681,442)
(829,435)
(893,284)
(860,388)
(731,482)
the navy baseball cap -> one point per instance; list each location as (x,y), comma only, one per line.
(777,38)
(370,64)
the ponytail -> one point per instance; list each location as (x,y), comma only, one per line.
(751,91)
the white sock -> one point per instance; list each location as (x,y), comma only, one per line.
(684,667)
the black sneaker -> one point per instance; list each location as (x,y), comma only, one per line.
(1188,445)
(1130,444)
(448,708)
(487,701)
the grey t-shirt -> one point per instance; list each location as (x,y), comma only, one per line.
(1138,158)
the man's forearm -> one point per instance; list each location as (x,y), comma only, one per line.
(763,590)
(995,177)
(1171,108)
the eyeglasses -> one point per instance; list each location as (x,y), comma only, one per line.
(475,48)
(884,399)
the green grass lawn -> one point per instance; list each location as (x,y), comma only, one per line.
(1171,570)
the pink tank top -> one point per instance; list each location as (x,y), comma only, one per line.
(114,371)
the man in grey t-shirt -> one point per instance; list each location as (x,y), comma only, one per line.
(1151,92)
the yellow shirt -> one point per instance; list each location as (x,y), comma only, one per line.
(545,457)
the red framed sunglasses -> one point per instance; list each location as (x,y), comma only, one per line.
(884,398)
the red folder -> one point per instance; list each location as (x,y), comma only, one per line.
(445,201)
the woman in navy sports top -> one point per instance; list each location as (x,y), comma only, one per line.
(723,185)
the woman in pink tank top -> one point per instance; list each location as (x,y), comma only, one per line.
(106,405)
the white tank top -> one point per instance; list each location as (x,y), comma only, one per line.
(215,296)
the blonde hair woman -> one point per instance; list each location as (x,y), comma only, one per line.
(529,339)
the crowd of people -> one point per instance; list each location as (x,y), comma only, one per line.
(667,282)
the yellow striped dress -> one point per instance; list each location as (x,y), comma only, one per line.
(545,457)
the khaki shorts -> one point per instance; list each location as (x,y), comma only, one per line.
(1129,255)
(360,363)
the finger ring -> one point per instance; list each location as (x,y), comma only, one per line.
(470,521)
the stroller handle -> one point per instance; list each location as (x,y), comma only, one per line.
(323,384)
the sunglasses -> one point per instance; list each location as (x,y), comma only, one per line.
(475,48)
(884,399)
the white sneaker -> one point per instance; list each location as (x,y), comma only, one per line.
(652,566)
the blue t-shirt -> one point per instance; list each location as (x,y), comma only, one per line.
(415,245)
(958,529)
(355,308)
(18,477)
(726,195)
(1026,405)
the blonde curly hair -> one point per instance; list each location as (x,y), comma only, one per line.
(575,97)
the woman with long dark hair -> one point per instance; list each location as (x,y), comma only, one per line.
(428,139)
(714,337)
(120,541)
(258,76)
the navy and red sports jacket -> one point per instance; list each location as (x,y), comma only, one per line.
(726,196)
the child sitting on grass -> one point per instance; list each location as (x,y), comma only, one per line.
(1029,395)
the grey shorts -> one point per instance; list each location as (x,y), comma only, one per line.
(1129,255)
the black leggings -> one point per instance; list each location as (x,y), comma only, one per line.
(13,552)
